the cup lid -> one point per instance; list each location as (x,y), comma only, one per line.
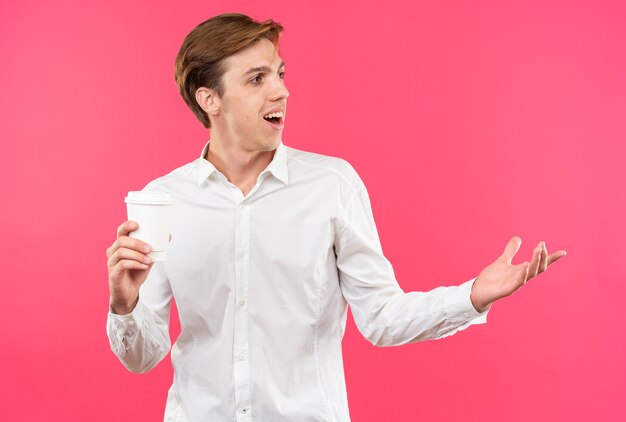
(149,198)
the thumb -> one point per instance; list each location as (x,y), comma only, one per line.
(510,250)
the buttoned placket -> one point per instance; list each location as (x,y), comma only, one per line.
(241,334)
(241,337)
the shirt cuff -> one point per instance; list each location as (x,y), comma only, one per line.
(459,305)
(127,326)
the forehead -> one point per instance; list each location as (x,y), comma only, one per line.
(261,53)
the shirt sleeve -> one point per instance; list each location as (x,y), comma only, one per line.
(383,312)
(141,338)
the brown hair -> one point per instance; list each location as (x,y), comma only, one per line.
(199,62)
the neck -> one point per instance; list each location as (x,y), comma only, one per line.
(240,166)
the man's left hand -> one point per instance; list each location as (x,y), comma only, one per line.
(502,278)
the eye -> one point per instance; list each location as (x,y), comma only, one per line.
(282,75)
(256,79)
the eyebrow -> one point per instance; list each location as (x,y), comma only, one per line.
(265,69)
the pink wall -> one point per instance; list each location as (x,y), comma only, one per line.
(470,122)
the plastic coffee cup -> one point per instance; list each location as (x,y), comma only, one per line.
(153,212)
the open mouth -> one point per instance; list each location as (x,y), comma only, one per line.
(276,120)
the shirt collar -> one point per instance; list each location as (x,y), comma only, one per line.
(277,167)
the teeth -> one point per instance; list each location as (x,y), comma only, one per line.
(277,114)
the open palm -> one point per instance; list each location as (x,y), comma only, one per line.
(502,278)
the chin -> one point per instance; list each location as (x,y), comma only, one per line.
(270,145)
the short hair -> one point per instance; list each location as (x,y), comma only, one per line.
(199,62)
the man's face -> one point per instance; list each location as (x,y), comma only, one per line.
(253,88)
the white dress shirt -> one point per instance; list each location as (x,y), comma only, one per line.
(262,284)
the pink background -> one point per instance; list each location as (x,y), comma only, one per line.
(469,122)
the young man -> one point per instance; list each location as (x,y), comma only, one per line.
(269,246)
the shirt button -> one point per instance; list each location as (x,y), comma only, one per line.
(244,410)
(242,254)
(243,355)
(242,302)
(242,207)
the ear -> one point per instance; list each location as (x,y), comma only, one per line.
(208,100)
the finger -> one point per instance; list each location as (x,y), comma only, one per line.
(125,253)
(524,272)
(130,243)
(534,264)
(125,265)
(126,227)
(544,258)
(511,249)
(555,256)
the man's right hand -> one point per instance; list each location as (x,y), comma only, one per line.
(129,266)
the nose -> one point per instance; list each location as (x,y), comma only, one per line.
(279,89)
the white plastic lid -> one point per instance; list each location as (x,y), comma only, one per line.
(149,198)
